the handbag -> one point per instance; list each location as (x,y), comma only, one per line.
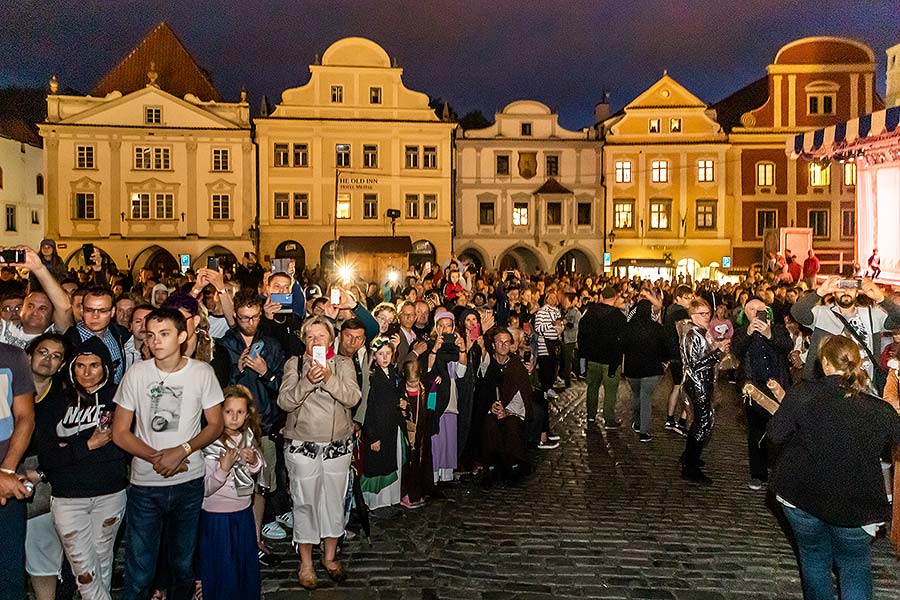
(554,347)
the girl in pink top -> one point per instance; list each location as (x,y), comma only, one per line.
(228,561)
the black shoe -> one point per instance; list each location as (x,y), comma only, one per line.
(487,479)
(267,558)
(635,427)
(553,437)
(696,476)
(610,425)
(645,437)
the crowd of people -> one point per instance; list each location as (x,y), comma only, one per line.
(208,411)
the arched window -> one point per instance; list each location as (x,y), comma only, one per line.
(1,178)
(39,182)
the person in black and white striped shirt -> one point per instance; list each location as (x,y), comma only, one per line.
(548,325)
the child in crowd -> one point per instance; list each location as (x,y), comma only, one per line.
(383,430)
(228,563)
(418,478)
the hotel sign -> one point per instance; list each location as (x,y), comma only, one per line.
(357,183)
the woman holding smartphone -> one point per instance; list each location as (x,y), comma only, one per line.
(318,390)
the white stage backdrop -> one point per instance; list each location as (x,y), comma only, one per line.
(878,216)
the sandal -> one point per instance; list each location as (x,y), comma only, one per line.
(337,574)
(308,579)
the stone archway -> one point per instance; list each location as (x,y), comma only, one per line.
(76,260)
(227,259)
(574,261)
(473,256)
(422,251)
(293,250)
(522,258)
(156,258)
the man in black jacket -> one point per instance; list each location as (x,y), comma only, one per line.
(600,343)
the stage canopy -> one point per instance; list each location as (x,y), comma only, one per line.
(846,138)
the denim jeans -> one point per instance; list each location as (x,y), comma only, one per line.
(12,550)
(642,389)
(152,512)
(822,546)
(599,375)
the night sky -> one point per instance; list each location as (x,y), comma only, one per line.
(476,54)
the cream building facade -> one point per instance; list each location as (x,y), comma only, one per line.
(21,186)
(665,172)
(341,152)
(150,171)
(527,193)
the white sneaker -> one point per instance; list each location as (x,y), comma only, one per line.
(274,531)
(286,520)
(551,393)
(548,445)
(559,382)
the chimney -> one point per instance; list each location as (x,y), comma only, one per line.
(601,109)
(264,107)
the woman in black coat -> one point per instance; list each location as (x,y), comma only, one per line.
(832,434)
(644,346)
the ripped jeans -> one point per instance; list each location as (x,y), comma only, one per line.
(87,528)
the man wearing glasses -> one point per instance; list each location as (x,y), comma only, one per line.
(97,315)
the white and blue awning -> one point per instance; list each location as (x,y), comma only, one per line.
(824,143)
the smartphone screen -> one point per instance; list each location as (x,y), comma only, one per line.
(255,349)
(212,263)
(88,252)
(335,296)
(318,353)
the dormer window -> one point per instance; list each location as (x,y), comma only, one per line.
(337,94)
(821,97)
(654,126)
(674,125)
(374,95)
(526,129)
(152,115)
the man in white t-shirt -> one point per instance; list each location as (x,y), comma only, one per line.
(165,399)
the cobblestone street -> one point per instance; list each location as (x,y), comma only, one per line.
(602,517)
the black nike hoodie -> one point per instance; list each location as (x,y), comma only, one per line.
(65,423)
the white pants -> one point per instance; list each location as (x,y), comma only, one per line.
(318,490)
(43,548)
(87,528)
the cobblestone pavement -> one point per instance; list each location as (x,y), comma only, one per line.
(602,517)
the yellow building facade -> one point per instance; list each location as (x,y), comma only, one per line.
(664,164)
(341,153)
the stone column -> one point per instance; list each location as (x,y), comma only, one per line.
(190,204)
(115,188)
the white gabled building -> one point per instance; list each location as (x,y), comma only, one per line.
(21,184)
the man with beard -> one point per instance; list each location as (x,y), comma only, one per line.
(862,324)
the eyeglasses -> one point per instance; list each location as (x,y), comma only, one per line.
(248,319)
(703,312)
(93,310)
(11,309)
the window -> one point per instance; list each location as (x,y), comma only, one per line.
(412,206)
(706,214)
(623,171)
(552,166)
(660,214)
(526,129)
(35,217)
(343,206)
(820,104)
(374,95)
(554,213)
(84,157)
(39,185)
(520,213)
(674,125)
(301,155)
(152,115)
(337,94)
(342,155)
(429,206)
(503,164)
(370,156)
(705,171)
(301,205)
(765,174)
(819,223)
(10,217)
(370,206)
(429,157)
(623,214)
(766,218)
(221,207)
(848,224)
(165,206)
(140,206)
(84,205)
(220,160)
(819,175)
(584,213)
(849,174)
(653,126)
(281,155)
(486,213)
(282,200)
(659,171)
(412,157)
(152,158)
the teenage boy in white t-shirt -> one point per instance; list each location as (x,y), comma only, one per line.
(164,399)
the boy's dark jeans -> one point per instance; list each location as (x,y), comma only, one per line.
(12,550)
(173,511)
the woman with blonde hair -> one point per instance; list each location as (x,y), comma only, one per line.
(832,434)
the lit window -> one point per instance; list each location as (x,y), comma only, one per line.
(280,154)
(486,213)
(503,164)
(337,94)
(654,126)
(370,206)
(84,206)
(765,219)
(584,213)
(152,158)
(705,171)
(623,171)
(659,171)
(660,214)
(429,206)
(164,205)
(552,166)
(343,206)
(374,95)
(520,213)
(819,175)
(35,217)
(819,223)
(140,206)
(623,214)
(282,201)
(848,224)
(370,156)
(526,129)
(850,174)
(152,115)
(301,155)
(301,205)
(429,157)
(765,174)
(706,214)
(674,125)
(84,157)
(221,207)
(220,159)
(554,213)
(412,206)
(412,157)
(342,155)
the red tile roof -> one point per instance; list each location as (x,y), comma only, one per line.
(179,73)
(552,186)
(16,128)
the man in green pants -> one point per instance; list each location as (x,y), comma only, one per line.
(599,342)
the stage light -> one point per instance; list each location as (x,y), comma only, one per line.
(345,272)
(393,276)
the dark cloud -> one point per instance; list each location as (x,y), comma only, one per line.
(476,54)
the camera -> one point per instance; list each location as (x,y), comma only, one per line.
(212,263)
(762,315)
(850,284)
(12,256)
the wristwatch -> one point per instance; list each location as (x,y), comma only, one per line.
(187,448)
